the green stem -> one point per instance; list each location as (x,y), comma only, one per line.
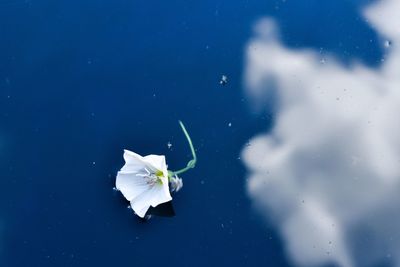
(192,163)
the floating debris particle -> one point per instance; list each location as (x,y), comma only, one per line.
(224,80)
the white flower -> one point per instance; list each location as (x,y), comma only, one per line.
(176,183)
(143,181)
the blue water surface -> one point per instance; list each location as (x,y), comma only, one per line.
(82,80)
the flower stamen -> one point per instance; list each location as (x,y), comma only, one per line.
(151,178)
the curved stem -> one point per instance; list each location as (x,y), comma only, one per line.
(192,163)
(189,140)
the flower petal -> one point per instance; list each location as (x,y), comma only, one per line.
(165,194)
(160,195)
(133,162)
(142,203)
(130,185)
(158,162)
(153,197)
(141,213)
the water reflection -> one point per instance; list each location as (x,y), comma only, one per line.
(328,174)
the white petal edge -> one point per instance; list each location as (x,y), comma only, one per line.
(133,162)
(141,213)
(158,162)
(131,185)
(153,197)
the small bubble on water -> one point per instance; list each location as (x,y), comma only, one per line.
(230,124)
(115,189)
(169,145)
(388,43)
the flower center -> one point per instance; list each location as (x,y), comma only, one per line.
(152,178)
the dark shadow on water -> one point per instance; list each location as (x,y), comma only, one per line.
(162,210)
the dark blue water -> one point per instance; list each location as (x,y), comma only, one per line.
(82,80)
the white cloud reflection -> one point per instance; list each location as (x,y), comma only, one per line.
(328,174)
